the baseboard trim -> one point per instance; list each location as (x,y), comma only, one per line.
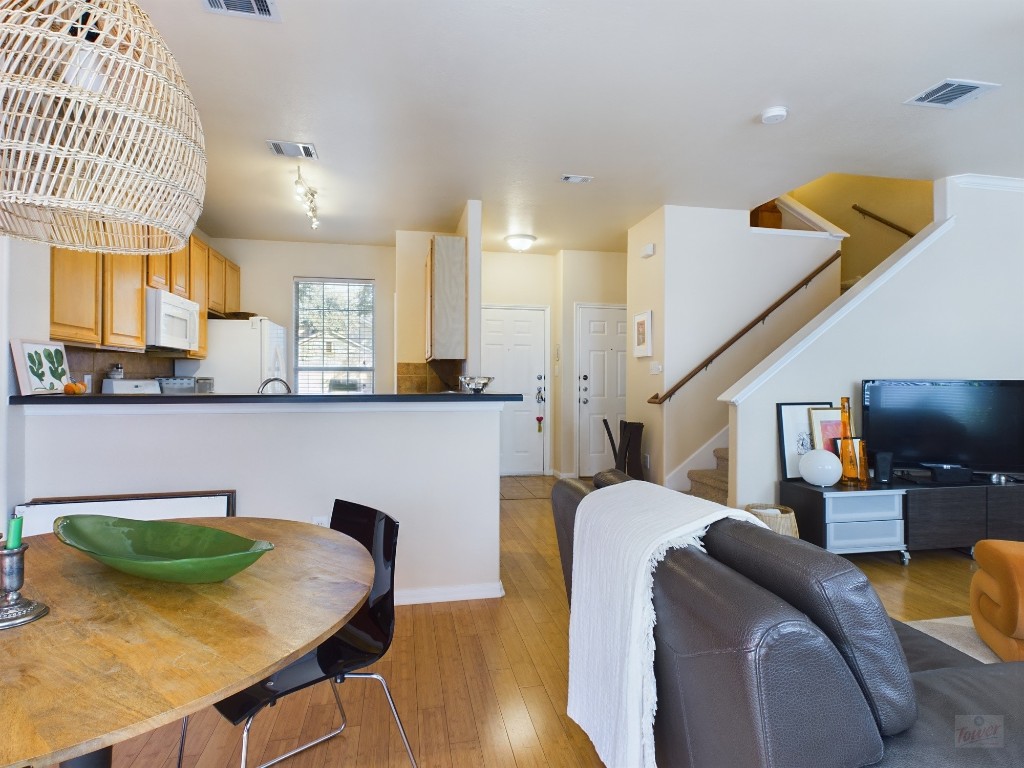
(449,594)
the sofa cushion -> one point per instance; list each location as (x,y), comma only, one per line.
(837,596)
(745,679)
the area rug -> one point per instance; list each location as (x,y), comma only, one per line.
(957,631)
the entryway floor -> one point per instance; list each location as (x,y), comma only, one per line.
(526,487)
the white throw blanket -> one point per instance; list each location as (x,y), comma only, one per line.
(621,533)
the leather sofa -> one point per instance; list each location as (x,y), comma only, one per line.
(770,651)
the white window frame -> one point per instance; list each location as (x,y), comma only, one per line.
(362,371)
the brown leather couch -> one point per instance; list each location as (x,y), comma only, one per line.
(771,651)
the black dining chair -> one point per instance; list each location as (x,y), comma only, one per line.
(361,642)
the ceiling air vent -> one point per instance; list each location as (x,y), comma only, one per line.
(571,178)
(292,149)
(950,94)
(250,9)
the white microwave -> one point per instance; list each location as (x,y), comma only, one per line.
(171,321)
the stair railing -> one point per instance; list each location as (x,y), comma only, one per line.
(880,220)
(704,364)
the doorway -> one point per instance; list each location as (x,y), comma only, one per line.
(514,352)
(600,383)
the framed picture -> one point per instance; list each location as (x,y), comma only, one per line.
(826,426)
(42,366)
(794,435)
(642,335)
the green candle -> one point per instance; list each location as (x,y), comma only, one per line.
(14,532)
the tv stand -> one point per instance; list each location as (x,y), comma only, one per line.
(928,515)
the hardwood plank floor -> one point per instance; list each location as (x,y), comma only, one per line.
(484,682)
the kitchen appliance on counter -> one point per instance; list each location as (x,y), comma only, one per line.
(131,387)
(172,322)
(177,385)
(240,355)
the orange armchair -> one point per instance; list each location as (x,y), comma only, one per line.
(997,597)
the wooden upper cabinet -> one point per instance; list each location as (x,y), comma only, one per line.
(169,272)
(232,287)
(124,301)
(198,290)
(76,296)
(158,269)
(215,270)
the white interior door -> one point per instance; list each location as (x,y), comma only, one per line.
(514,352)
(601,383)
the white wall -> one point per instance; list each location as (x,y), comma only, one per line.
(269,267)
(711,274)
(949,304)
(25,314)
(291,461)
(471,228)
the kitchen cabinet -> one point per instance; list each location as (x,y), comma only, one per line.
(232,287)
(98,300)
(446,320)
(215,282)
(169,271)
(198,291)
(76,296)
(124,301)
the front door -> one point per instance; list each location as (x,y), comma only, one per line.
(601,383)
(514,353)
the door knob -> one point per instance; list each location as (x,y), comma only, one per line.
(585,401)
(585,377)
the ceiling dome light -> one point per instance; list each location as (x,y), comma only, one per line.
(520,242)
(774,115)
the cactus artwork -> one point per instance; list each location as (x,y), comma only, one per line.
(41,366)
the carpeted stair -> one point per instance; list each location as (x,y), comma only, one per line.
(712,484)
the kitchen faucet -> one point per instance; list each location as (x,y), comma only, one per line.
(265,382)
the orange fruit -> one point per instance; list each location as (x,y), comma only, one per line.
(70,388)
(80,387)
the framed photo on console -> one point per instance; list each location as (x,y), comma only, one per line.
(795,435)
(826,427)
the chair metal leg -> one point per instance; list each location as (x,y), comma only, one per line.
(181,743)
(394,711)
(304,747)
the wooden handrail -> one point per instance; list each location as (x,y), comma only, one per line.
(657,399)
(879,219)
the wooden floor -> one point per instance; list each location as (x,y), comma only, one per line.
(483,682)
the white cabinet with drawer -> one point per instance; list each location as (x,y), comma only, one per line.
(848,520)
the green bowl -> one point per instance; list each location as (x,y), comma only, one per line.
(160,550)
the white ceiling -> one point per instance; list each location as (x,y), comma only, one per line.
(416,106)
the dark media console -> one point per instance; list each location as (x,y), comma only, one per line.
(905,515)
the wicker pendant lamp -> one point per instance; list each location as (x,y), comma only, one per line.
(101,147)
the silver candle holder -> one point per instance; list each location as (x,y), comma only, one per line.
(16,609)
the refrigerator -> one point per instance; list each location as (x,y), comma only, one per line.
(240,355)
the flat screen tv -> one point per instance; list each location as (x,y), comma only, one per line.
(973,424)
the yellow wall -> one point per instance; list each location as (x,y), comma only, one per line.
(906,202)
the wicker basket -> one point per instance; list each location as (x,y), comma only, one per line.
(784,522)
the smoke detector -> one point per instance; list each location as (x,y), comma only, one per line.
(950,93)
(265,10)
(292,149)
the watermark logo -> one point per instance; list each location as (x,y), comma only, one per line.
(978,731)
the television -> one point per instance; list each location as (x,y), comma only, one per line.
(978,425)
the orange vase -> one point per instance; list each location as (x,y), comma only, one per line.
(847,453)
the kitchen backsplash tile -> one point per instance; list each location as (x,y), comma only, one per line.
(97,362)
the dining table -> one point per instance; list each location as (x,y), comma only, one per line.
(119,655)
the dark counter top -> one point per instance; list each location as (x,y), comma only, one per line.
(98,399)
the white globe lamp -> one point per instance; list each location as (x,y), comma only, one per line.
(820,467)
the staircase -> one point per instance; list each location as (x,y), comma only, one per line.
(712,484)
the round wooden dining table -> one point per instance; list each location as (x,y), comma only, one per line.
(119,655)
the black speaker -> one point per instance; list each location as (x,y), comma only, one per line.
(883,467)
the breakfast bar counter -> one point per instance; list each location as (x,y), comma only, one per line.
(430,461)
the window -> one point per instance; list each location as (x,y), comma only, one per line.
(333,336)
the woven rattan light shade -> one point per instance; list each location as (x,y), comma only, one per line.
(100,142)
